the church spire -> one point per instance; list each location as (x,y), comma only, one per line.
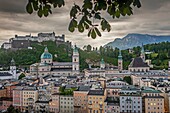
(120,62)
(46,49)
(12,62)
(120,55)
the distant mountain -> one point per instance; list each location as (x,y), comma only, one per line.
(132,40)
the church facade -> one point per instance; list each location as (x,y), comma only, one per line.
(10,74)
(48,67)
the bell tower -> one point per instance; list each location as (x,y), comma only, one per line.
(13,69)
(120,62)
(75,61)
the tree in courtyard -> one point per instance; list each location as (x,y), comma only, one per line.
(127,79)
(22,75)
(89,15)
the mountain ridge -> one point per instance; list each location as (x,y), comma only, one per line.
(136,39)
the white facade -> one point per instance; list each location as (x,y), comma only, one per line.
(130,100)
(11,74)
(75,61)
(7,45)
(130,104)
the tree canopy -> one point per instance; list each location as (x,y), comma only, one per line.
(21,76)
(89,15)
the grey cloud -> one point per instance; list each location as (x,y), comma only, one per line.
(152,18)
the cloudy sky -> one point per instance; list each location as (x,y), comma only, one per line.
(152,18)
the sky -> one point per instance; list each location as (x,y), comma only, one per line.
(152,18)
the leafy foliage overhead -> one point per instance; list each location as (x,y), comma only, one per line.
(83,17)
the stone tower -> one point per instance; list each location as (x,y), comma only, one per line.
(13,69)
(75,61)
(120,61)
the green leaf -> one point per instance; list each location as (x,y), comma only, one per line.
(77,7)
(45,11)
(73,12)
(72,25)
(89,32)
(97,16)
(137,3)
(86,25)
(40,12)
(61,3)
(35,5)
(117,14)
(98,32)
(103,24)
(80,28)
(93,34)
(70,28)
(108,27)
(87,4)
(74,22)
(29,8)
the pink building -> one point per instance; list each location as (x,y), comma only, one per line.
(17,97)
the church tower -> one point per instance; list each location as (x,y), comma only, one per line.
(102,64)
(13,69)
(120,61)
(142,55)
(75,61)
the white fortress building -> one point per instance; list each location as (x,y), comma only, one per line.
(48,67)
(19,42)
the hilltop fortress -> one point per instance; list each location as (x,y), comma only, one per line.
(19,42)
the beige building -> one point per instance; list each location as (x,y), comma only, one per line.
(24,97)
(81,99)
(96,101)
(66,104)
(153,101)
(55,103)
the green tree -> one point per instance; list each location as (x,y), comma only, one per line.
(162,56)
(127,79)
(84,17)
(22,75)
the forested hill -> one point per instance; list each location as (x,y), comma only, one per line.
(160,55)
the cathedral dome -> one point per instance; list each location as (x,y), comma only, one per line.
(46,54)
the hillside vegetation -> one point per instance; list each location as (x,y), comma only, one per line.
(26,57)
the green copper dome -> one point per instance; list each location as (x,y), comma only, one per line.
(75,49)
(46,54)
(102,61)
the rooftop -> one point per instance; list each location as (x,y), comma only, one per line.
(150,90)
(96,92)
(138,62)
(84,88)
